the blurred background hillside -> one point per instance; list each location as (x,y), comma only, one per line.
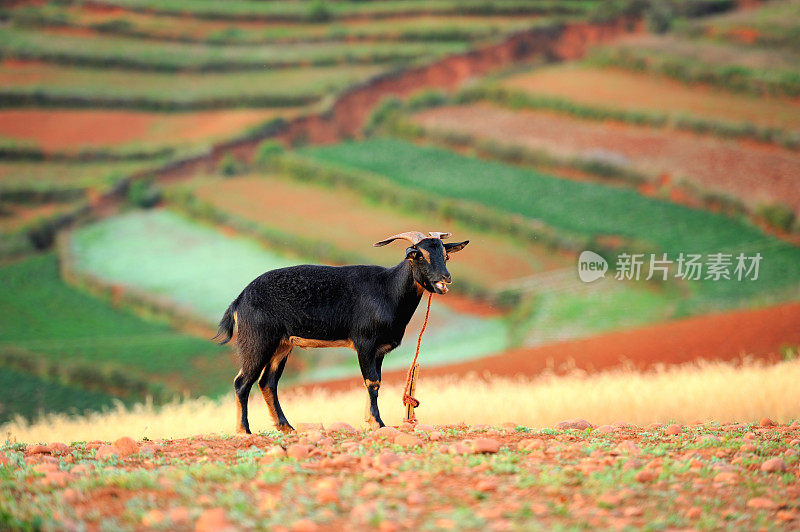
(156,156)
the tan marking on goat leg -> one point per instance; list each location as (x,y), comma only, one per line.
(383,349)
(311,343)
(368,417)
(239,427)
(269,398)
(284,348)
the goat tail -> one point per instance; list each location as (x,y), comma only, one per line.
(226,324)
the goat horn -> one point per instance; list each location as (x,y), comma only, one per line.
(411,236)
(441,236)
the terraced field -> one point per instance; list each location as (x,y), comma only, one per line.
(34,83)
(200,270)
(604,210)
(758,175)
(308,11)
(344,220)
(120,52)
(655,94)
(124,131)
(774,24)
(45,396)
(190,74)
(77,18)
(49,176)
(732,67)
(53,332)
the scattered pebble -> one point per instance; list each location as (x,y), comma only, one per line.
(762,503)
(386,432)
(485,445)
(153,518)
(574,424)
(126,446)
(304,525)
(38,449)
(212,520)
(645,475)
(407,440)
(105,452)
(341,427)
(774,465)
(298,451)
(387,460)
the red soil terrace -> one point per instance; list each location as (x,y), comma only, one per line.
(714,337)
(70,129)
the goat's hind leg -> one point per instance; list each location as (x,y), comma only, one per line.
(268,383)
(242,385)
(252,350)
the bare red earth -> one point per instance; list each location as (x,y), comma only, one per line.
(725,337)
(440,478)
(71,129)
(756,173)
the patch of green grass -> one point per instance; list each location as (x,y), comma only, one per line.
(28,396)
(44,176)
(90,87)
(44,316)
(109,52)
(585,208)
(160,27)
(772,24)
(735,68)
(308,11)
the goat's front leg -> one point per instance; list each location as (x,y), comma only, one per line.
(372,381)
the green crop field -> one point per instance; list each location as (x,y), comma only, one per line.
(730,66)
(311,11)
(43,316)
(585,208)
(772,24)
(47,176)
(164,27)
(41,83)
(130,53)
(203,270)
(28,396)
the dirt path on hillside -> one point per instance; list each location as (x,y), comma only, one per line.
(755,173)
(726,337)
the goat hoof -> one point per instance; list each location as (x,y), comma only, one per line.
(285,428)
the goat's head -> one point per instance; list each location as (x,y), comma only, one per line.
(428,256)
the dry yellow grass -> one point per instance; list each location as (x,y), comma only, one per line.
(718,392)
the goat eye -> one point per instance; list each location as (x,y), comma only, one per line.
(447,257)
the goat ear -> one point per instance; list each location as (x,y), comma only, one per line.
(455,246)
(412,252)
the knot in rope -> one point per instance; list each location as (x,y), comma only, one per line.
(408,399)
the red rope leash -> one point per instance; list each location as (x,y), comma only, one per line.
(408,399)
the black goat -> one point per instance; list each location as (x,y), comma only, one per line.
(365,308)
